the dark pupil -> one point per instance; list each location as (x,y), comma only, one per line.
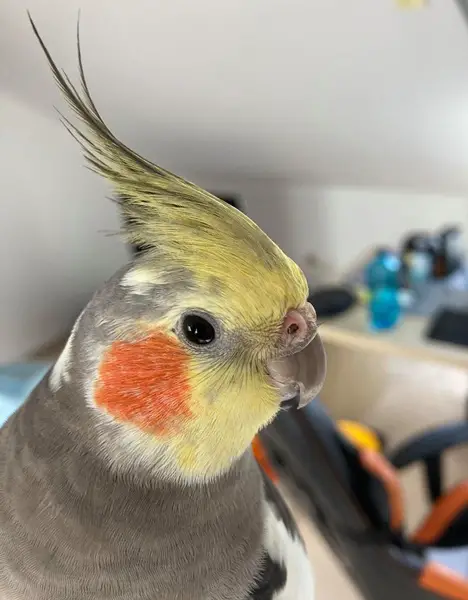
(198,330)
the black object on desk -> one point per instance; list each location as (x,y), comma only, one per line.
(450,326)
(448,252)
(332,301)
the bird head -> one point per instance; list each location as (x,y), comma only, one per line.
(203,338)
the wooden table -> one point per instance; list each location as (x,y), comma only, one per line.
(351,330)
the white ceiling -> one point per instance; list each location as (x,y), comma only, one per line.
(330,91)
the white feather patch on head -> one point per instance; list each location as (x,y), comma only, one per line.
(60,371)
(140,280)
(289,552)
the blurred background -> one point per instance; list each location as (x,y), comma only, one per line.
(340,127)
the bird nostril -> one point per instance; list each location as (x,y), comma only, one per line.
(294,326)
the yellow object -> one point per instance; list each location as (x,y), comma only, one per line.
(360,435)
(411,3)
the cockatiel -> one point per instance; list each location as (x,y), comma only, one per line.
(128,473)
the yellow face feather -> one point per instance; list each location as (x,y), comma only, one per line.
(238,274)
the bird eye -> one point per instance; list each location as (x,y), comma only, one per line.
(197,330)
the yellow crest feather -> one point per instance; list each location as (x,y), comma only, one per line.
(185,225)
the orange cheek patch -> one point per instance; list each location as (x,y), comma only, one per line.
(145,383)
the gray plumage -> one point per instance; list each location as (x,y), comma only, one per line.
(72,529)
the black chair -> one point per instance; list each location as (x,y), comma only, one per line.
(355,499)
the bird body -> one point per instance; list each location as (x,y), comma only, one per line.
(128,473)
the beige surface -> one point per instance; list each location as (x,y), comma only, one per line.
(351,330)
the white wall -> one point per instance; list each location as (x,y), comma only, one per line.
(330,91)
(53,215)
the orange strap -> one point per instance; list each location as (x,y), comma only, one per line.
(262,459)
(378,466)
(445,511)
(443,582)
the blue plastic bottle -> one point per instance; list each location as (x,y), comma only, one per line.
(383,271)
(384,308)
(382,277)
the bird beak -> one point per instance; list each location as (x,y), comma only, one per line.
(299,377)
